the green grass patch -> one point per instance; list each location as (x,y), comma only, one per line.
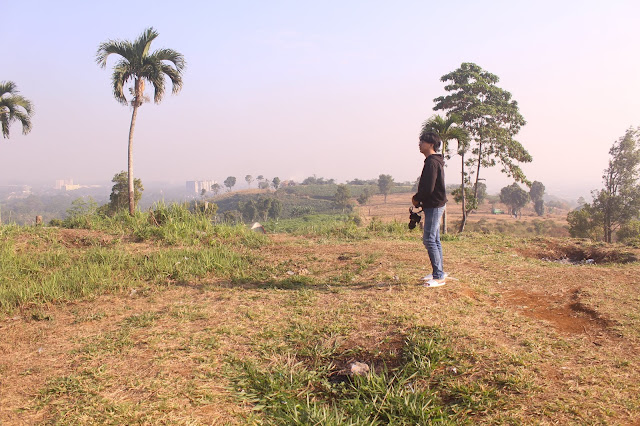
(52,271)
(428,383)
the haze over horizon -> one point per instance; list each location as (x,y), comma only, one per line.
(337,90)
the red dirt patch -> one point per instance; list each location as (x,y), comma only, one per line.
(576,251)
(568,316)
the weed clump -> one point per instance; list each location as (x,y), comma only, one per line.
(425,385)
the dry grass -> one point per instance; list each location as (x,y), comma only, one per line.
(397,208)
(558,342)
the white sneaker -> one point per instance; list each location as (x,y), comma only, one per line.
(430,276)
(434,283)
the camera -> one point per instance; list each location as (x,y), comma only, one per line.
(414,218)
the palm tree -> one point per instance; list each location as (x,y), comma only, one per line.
(137,65)
(447,130)
(14,107)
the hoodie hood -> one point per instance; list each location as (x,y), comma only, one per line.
(439,158)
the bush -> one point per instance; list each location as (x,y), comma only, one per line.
(629,233)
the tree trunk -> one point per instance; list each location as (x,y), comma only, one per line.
(132,204)
(137,100)
(475,189)
(464,200)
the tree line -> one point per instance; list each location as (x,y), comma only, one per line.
(614,212)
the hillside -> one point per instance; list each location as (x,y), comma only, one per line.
(188,323)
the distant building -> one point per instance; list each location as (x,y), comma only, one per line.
(197,186)
(61,183)
(71,187)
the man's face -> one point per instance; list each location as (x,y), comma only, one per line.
(425,147)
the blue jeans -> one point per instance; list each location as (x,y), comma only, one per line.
(431,239)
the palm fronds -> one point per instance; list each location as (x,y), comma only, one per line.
(14,107)
(136,63)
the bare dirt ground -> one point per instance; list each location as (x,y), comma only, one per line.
(565,337)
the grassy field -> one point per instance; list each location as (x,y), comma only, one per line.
(122,321)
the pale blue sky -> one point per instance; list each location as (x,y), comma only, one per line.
(334,88)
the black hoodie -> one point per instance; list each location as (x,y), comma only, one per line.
(431,189)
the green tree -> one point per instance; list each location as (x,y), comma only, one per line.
(119,198)
(448,129)
(263,205)
(276,183)
(215,188)
(137,66)
(585,222)
(230,182)
(470,203)
(14,107)
(249,179)
(249,210)
(490,117)
(514,197)
(365,195)
(619,200)
(275,209)
(385,182)
(342,198)
(629,233)
(537,196)
(481,193)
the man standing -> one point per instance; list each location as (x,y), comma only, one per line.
(432,196)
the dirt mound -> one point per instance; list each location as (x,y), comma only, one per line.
(578,252)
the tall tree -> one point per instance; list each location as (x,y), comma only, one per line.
(276,209)
(215,188)
(276,182)
(249,210)
(490,117)
(14,107)
(263,205)
(385,182)
(342,198)
(137,66)
(619,201)
(230,182)
(249,179)
(448,130)
(537,196)
(514,197)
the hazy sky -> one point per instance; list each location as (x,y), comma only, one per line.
(333,88)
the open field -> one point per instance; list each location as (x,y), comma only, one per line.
(220,326)
(482,220)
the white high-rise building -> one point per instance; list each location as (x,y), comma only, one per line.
(197,186)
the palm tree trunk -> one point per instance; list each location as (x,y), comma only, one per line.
(132,204)
(464,199)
